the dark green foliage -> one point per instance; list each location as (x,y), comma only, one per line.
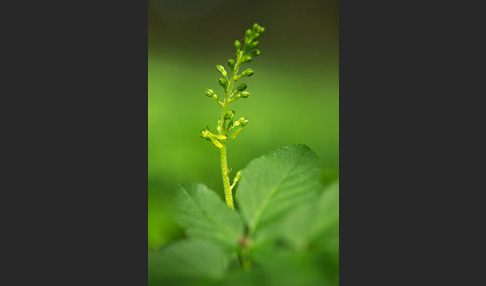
(275,183)
(205,215)
(291,227)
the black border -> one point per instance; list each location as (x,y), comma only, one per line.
(408,127)
(76,108)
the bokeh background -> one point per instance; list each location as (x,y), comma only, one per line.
(294,91)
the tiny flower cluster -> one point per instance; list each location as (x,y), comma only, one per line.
(244,54)
(228,127)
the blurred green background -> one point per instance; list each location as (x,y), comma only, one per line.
(294,91)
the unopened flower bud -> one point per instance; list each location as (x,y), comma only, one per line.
(237,176)
(247,45)
(229,115)
(221,69)
(223,82)
(243,121)
(209,92)
(237,45)
(244,94)
(255,52)
(254,44)
(247,72)
(248,33)
(247,59)
(255,27)
(231,64)
(241,87)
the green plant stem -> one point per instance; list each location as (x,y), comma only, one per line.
(241,258)
(228,195)
(224,171)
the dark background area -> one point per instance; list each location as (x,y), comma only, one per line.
(294,91)
(402,168)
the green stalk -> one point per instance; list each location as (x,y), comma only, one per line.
(241,258)
(228,195)
(244,54)
(224,171)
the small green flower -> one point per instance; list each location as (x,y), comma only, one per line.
(206,134)
(210,93)
(244,94)
(221,69)
(255,52)
(241,87)
(229,114)
(248,34)
(247,72)
(231,64)
(237,46)
(241,122)
(247,59)
(223,82)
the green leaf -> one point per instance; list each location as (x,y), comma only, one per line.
(328,209)
(239,277)
(187,259)
(275,183)
(205,215)
(328,242)
(284,267)
(307,222)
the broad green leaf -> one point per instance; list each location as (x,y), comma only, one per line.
(205,215)
(187,260)
(328,209)
(277,182)
(328,242)
(310,220)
